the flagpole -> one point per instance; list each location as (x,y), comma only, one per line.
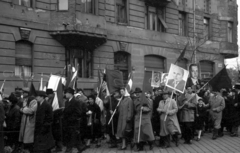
(168,106)
(110,110)
(115,110)
(2,86)
(140,122)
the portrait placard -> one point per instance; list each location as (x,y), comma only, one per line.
(156,79)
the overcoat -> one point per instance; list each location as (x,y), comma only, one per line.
(43,139)
(26,134)
(2,116)
(187,111)
(125,111)
(217,104)
(169,106)
(234,111)
(146,131)
(71,121)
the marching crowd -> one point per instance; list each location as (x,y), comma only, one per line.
(28,123)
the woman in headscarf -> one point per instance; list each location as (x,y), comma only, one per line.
(93,131)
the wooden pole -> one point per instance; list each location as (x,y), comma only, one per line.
(115,110)
(168,107)
(140,122)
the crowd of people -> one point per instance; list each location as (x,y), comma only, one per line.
(29,124)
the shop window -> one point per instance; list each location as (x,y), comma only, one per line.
(156,19)
(83,59)
(230,32)
(23,58)
(206,28)
(62,5)
(27,3)
(87,6)
(182,24)
(121,8)
(207,69)
(122,63)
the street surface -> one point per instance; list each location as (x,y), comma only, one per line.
(225,144)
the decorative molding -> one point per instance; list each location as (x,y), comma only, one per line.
(25,33)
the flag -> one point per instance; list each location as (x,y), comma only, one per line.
(220,80)
(181,56)
(73,80)
(32,91)
(114,79)
(129,85)
(58,96)
(69,75)
(25,82)
(1,89)
(41,83)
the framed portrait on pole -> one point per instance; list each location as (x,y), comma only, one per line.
(156,79)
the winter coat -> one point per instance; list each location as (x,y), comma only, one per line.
(234,111)
(43,139)
(2,117)
(125,111)
(187,111)
(169,106)
(26,134)
(217,104)
(13,118)
(146,131)
(94,130)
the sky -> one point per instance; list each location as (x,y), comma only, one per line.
(232,63)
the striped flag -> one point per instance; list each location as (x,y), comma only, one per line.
(72,83)
(58,97)
(41,83)
(129,85)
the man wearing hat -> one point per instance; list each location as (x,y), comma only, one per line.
(142,105)
(170,126)
(50,96)
(71,122)
(29,107)
(216,104)
(43,138)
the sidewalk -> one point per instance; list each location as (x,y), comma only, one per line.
(225,144)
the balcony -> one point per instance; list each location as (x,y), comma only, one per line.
(82,30)
(158,3)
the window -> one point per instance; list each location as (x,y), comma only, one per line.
(230,32)
(182,2)
(207,69)
(206,28)
(207,6)
(155,19)
(121,11)
(62,5)
(27,3)
(83,59)
(87,6)
(23,58)
(122,63)
(182,24)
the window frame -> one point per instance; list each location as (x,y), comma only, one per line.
(182,22)
(230,33)
(32,3)
(58,5)
(207,20)
(207,6)
(126,12)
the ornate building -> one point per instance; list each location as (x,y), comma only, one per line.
(42,36)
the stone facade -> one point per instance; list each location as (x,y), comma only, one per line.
(132,37)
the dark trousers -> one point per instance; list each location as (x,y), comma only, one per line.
(188,131)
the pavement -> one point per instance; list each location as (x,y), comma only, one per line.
(225,144)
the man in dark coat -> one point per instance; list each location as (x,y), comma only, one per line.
(71,122)
(2,117)
(57,121)
(155,115)
(43,138)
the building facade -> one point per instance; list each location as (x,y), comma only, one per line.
(43,36)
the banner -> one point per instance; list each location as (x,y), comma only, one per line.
(114,80)
(156,79)
(53,82)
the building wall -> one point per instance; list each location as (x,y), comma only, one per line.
(49,54)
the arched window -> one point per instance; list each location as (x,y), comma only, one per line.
(207,69)
(23,58)
(183,63)
(122,63)
(152,63)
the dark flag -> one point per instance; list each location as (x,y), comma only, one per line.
(114,80)
(32,91)
(181,56)
(220,80)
